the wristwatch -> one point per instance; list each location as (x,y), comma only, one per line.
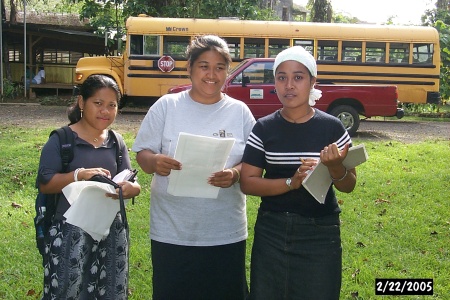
(288,183)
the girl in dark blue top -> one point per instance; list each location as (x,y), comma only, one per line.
(297,251)
(76,266)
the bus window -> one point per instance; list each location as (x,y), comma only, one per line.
(253,47)
(327,50)
(136,42)
(175,46)
(399,53)
(151,45)
(377,51)
(422,53)
(337,48)
(277,45)
(351,51)
(307,44)
(234,44)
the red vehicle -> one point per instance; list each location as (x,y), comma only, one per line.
(252,82)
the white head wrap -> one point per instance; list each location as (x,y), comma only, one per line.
(299,54)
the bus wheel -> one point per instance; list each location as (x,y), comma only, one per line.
(348,116)
(123,102)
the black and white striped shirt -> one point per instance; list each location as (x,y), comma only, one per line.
(276,146)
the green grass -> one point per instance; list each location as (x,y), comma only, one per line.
(396,224)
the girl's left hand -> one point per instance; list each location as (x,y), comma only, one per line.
(129,190)
(331,156)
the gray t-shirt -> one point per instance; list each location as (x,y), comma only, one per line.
(195,221)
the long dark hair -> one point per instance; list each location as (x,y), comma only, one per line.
(89,87)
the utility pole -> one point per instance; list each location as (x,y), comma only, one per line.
(24,49)
(1,55)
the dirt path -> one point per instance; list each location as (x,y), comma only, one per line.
(31,115)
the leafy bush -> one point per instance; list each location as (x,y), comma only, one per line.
(431,110)
(10,90)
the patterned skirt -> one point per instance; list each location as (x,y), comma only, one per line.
(79,267)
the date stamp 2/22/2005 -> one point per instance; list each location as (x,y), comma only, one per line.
(404,286)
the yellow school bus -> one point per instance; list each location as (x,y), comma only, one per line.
(154,59)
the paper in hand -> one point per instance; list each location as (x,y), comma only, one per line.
(91,209)
(319,181)
(200,157)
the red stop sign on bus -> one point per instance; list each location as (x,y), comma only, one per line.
(166,63)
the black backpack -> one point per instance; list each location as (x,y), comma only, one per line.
(46,204)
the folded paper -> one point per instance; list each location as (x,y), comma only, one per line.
(318,181)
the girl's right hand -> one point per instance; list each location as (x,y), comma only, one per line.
(302,171)
(86,174)
(165,164)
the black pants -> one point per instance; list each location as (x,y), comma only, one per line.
(200,273)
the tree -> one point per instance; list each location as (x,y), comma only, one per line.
(194,8)
(444,38)
(106,17)
(321,10)
(443,4)
(107,14)
(439,18)
(340,18)
(430,16)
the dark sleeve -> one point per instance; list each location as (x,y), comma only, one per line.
(50,161)
(254,153)
(341,137)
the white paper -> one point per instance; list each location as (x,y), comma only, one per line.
(319,181)
(122,176)
(200,157)
(91,209)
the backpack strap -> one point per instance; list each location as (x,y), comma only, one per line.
(120,144)
(67,142)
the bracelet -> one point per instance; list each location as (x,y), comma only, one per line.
(75,174)
(238,174)
(340,179)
